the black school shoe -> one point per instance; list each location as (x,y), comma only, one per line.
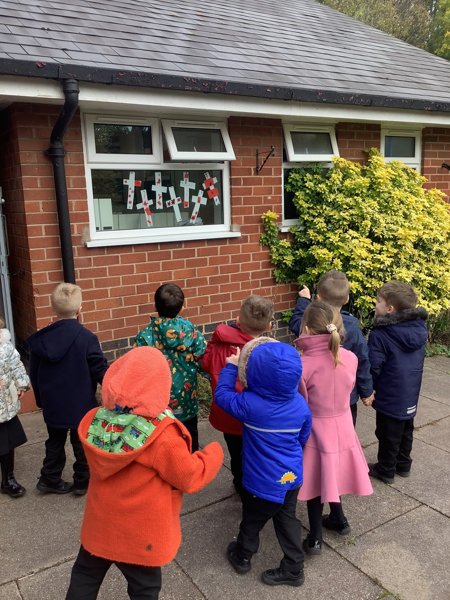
(279,577)
(342,528)
(403,473)
(240,565)
(373,472)
(63,487)
(312,546)
(12,488)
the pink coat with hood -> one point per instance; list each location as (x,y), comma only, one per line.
(333,460)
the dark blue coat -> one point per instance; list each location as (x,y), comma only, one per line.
(276,418)
(354,341)
(397,352)
(66,363)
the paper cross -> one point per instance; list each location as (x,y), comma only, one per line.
(131,183)
(208,185)
(174,201)
(145,204)
(187,185)
(197,200)
(159,189)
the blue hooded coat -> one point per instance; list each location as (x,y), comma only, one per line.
(276,419)
(397,352)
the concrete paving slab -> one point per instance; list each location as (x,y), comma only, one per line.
(34,426)
(439,363)
(207,434)
(202,555)
(436,434)
(430,411)
(407,556)
(9,592)
(52,584)
(365,425)
(222,487)
(430,476)
(436,386)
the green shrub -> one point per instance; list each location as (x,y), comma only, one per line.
(376,222)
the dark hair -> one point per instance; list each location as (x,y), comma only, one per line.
(398,294)
(169,300)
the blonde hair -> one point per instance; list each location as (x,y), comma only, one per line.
(2,323)
(255,314)
(319,318)
(66,300)
(333,287)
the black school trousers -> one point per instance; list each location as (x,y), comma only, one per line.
(55,458)
(288,529)
(395,440)
(88,572)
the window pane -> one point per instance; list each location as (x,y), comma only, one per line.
(305,142)
(192,139)
(399,146)
(289,210)
(120,199)
(123,139)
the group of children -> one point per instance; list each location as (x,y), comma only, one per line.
(287,414)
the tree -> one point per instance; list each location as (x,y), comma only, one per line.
(422,23)
(375,221)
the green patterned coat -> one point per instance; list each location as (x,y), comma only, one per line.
(183,345)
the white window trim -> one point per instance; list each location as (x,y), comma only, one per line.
(293,157)
(411,161)
(137,159)
(94,161)
(176,154)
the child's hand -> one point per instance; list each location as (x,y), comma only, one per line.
(305,293)
(369,400)
(234,358)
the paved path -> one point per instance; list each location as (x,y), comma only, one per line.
(399,547)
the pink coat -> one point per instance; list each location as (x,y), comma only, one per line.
(333,460)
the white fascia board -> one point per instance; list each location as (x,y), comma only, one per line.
(120,99)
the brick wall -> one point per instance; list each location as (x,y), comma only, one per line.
(435,151)
(355,139)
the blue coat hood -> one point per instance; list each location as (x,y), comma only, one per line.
(276,417)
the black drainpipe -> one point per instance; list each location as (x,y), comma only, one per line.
(56,154)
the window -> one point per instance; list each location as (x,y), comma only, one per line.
(137,194)
(402,145)
(198,141)
(304,145)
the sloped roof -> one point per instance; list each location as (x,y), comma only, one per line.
(288,49)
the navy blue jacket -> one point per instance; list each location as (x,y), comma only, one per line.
(354,341)
(66,363)
(397,351)
(276,419)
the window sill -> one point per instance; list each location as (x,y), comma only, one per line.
(157,239)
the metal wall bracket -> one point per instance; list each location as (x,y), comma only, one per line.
(445,166)
(269,154)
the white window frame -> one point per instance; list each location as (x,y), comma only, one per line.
(412,161)
(289,146)
(94,161)
(137,159)
(179,155)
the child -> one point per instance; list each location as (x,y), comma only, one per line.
(141,464)
(397,352)
(183,345)
(334,462)
(13,382)
(333,288)
(66,364)
(255,316)
(277,423)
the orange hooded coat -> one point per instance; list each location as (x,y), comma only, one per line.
(134,498)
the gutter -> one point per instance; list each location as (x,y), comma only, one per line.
(56,153)
(187,83)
